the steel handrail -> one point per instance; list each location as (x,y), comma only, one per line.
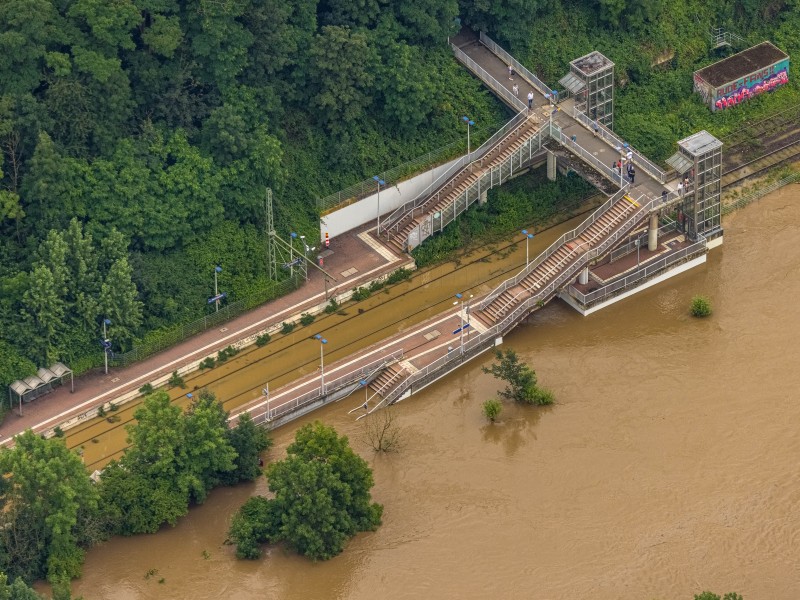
(488,79)
(642,273)
(517,155)
(435,188)
(518,67)
(312,395)
(553,248)
(644,163)
(621,230)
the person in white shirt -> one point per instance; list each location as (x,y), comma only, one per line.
(530,100)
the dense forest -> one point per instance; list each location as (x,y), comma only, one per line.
(138,136)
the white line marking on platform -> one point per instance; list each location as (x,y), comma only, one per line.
(370,241)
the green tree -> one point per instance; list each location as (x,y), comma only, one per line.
(148,486)
(209,453)
(119,302)
(322,498)
(521,379)
(43,312)
(44,495)
(248,441)
(342,66)
(492,409)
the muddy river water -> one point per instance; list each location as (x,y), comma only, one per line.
(669,464)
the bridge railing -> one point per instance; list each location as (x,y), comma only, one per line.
(606,134)
(553,248)
(592,253)
(313,395)
(630,246)
(435,188)
(607,171)
(488,79)
(646,272)
(495,176)
(516,65)
(481,342)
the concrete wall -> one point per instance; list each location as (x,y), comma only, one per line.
(366,210)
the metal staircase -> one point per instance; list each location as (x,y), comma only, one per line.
(509,150)
(572,251)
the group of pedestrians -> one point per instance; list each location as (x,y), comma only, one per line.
(627,165)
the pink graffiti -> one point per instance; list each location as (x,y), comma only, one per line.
(745,93)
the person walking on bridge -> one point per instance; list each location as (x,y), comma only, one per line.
(515,89)
(510,73)
(530,100)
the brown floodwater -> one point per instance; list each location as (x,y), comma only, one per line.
(669,464)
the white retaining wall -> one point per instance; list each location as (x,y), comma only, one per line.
(366,210)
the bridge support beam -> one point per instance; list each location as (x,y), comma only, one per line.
(652,233)
(583,278)
(551,166)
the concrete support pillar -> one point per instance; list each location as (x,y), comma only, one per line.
(482,198)
(551,166)
(583,278)
(652,233)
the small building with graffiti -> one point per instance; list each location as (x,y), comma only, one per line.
(741,76)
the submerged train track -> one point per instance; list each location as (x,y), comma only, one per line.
(124,416)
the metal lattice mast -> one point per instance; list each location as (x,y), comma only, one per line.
(272,259)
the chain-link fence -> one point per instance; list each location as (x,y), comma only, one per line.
(160,340)
(731,206)
(406,170)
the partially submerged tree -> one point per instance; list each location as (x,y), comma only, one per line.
(322,499)
(521,379)
(381,431)
(492,409)
(45,498)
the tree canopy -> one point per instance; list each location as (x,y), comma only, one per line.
(322,499)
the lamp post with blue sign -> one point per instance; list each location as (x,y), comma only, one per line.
(528,238)
(463,326)
(217,269)
(469,123)
(106,342)
(380,182)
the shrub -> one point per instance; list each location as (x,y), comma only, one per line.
(332,307)
(146,389)
(58,432)
(542,397)
(112,407)
(399,275)
(492,409)
(176,380)
(101,412)
(262,340)
(306,319)
(361,293)
(375,286)
(207,363)
(701,306)
(287,328)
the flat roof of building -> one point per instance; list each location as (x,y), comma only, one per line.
(591,62)
(741,64)
(699,143)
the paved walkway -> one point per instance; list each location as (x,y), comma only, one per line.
(353,261)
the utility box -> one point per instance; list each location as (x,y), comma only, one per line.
(736,79)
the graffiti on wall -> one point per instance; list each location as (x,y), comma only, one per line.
(752,86)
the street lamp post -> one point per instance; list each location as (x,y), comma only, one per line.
(460,303)
(469,123)
(380,182)
(322,342)
(364,383)
(636,241)
(106,343)
(292,235)
(528,238)
(266,395)
(217,269)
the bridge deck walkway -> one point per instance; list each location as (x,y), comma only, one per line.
(598,147)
